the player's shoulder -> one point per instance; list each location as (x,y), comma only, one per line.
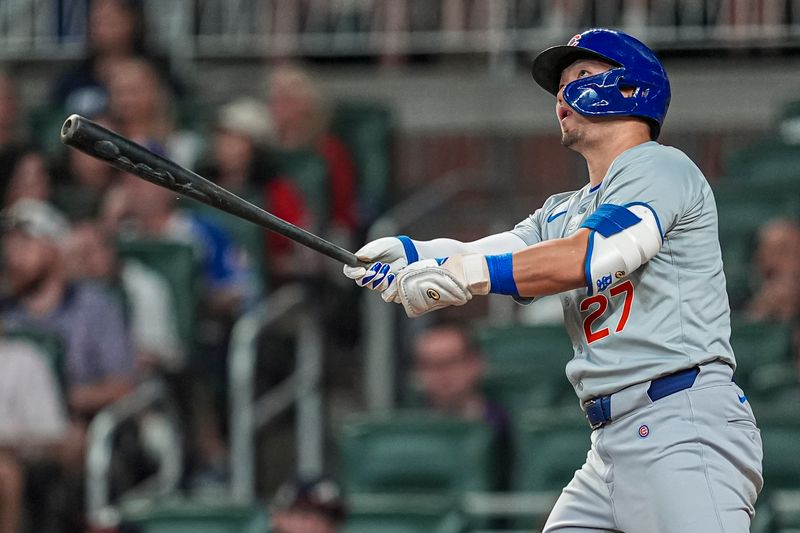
(558,202)
(654,161)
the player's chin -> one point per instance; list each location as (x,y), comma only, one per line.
(569,138)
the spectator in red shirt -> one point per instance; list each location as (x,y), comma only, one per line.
(302,121)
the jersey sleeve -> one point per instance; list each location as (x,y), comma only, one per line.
(668,184)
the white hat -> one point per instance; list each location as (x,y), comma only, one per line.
(36,218)
(249,117)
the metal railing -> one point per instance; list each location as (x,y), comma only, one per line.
(100,510)
(379,330)
(189,29)
(248,414)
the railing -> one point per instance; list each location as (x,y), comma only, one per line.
(99,509)
(248,414)
(189,29)
(380,329)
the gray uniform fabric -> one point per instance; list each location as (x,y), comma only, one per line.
(689,462)
(678,313)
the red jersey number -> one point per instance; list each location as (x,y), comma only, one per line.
(626,288)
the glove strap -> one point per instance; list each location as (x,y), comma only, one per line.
(501,274)
(408,246)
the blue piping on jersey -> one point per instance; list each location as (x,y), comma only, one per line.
(553,217)
(587,264)
(655,215)
(592,189)
(408,246)
(610,219)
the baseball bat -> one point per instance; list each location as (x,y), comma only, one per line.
(124,154)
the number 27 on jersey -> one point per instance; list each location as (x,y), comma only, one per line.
(601,301)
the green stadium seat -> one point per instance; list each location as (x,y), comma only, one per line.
(45,124)
(778,512)
(415,452)
(769,161)
(406,522)
(366,129)
(180,516)
(309,172)
(549,446)
(779,423)
(178,264)
(530,360)
(757,345)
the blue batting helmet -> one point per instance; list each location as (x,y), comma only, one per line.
(635,66)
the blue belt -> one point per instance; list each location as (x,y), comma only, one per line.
(598,410)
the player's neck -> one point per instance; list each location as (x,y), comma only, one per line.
(611,144)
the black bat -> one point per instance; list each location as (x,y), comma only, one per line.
(124,154)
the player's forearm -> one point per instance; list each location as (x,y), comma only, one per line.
(552,266)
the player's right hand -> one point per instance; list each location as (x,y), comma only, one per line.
(386,257)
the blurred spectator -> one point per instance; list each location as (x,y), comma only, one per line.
(29,178)
(11,143)
(140,107)
(244,164)
(33,427)
(99,366)
(308,506)
(777,264)
(91,256)
(302,120)
(115,33)
(137,209)
(449,368)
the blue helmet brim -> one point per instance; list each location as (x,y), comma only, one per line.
(548,65)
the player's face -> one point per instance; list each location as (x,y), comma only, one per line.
(574,126)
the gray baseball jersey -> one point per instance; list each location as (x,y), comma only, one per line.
(671,313)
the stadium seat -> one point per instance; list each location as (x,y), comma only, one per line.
(769,161)
(406,522)
(779,423)
(309,171)
(179,516)
(549,446)
(526,364)
(415,452)
(757,345)
(177,263)
(366,129)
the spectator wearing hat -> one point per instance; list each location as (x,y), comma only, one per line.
(313,505)
(243,162)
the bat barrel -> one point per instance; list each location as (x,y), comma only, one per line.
(124,154)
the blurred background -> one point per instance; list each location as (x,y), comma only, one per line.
(167,367)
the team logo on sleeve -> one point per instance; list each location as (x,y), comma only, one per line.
(603,283)
(644,431)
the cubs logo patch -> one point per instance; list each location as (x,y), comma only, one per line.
(644,431)
(433,294)
(575,40)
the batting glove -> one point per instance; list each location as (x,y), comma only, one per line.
(387,255)
(436,283)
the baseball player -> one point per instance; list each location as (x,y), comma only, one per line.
(635,258)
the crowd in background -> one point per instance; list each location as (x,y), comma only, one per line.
(65,213)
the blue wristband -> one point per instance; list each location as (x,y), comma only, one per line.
(501,274)
(411,251)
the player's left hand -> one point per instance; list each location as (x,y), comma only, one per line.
(436,283)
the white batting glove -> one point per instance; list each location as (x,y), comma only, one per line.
(436,283)
(387,256)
